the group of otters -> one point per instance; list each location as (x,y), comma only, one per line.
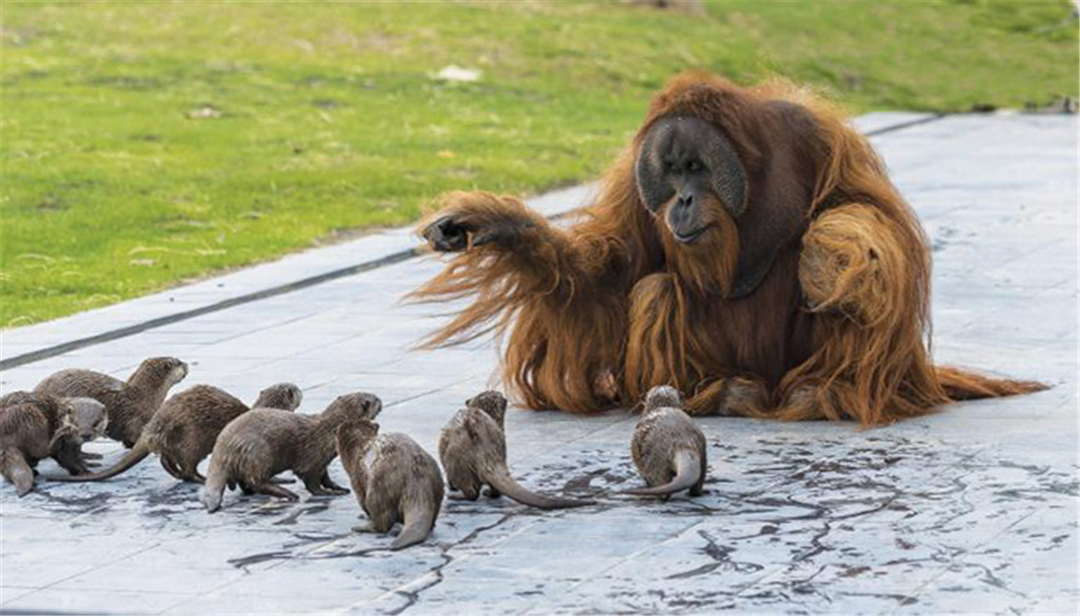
(394,479)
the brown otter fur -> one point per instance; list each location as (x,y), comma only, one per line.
(394,479)
(472,448)
(183,431)
(668,447)
(89,414)
(130,404)
(264,442)
(35,429)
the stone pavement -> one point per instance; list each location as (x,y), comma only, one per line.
(972,510)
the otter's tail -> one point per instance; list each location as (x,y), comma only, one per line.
(963,385)
(687,474)
(505,484)
(135,455)
(214,489)
(419,521)
(14,468)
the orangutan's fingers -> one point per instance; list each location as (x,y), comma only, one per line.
(850,257)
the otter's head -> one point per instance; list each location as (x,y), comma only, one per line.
(353,407)
(284,396)
(165,371)
(353,438)
(89,417)
(491,402)
(662,396)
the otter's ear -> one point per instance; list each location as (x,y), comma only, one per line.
(649,169)
(778,209)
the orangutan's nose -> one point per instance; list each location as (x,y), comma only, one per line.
(683,214)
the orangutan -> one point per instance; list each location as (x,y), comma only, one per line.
(747,248)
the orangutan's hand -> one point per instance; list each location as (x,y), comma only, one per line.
(471,220)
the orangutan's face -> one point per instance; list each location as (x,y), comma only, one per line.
(688,174)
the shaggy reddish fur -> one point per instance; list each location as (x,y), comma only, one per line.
(599,313)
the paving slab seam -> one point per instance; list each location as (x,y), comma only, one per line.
(436,574)
(93,568)
(197,596)
(964,552)
(246,572)
(124,332)
(634,555)
(426,393)
(934,117)
(306,554)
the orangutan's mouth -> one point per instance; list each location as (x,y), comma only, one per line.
(689,237)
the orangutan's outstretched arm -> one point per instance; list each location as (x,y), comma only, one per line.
(510,258)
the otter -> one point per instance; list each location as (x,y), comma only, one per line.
(89,414)
(394,479)
(183,431)
(472,448)
(264,442)
(35,429)
(130,404)
(668,447)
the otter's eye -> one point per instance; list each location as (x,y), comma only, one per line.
(693,165)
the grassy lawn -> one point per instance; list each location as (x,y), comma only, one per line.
(148,143)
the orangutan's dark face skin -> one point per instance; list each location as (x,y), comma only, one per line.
(686,172)
(685,165)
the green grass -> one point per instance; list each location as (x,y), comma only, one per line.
(330,120)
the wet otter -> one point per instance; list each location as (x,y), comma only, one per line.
(668,447)
(130,404)
(472,448)
(394,479)
(264,442)
(183,431)
(34,429)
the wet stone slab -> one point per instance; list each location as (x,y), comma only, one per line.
(971,510)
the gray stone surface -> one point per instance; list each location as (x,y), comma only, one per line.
(971,510)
